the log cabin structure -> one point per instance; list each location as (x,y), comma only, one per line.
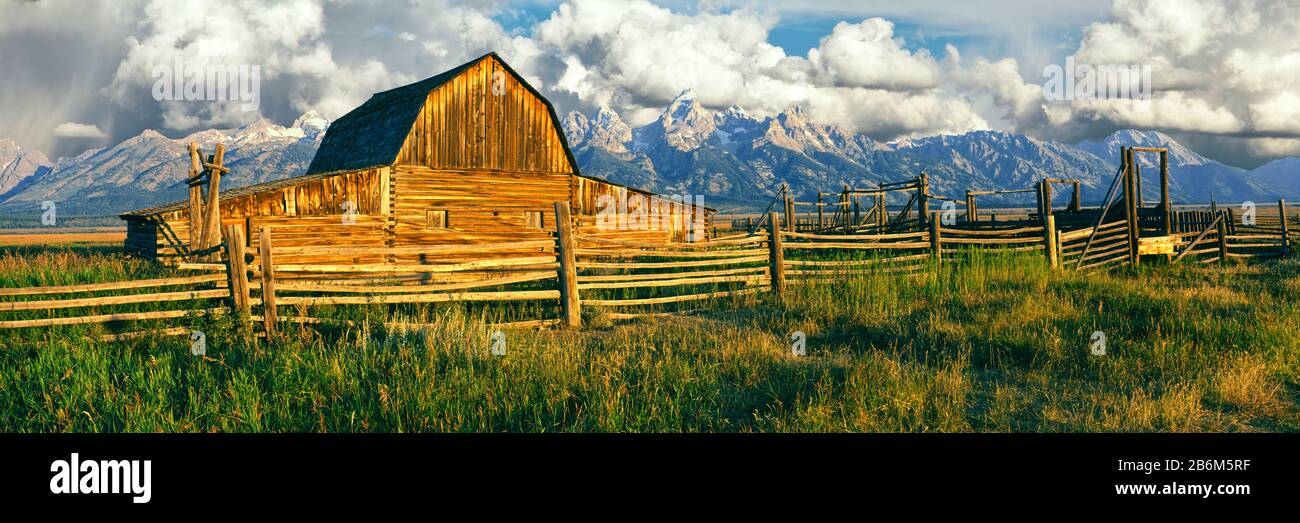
(472,155)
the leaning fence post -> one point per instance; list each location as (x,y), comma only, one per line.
(568,272)
(269,315)
(936,243)
(237,271)
(776,257)
(1286,230)
(1049,239)
(212,209)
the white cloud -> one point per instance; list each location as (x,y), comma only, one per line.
(78,130)
(867,55)
(635,57)
(323,55)
(1218,66)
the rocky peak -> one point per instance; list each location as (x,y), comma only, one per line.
(684,124)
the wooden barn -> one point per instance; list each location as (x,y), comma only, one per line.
(472,155)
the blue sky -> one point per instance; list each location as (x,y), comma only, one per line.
(795,33)
(1033,39)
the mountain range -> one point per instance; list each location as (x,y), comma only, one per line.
(734,159)
(150,168)
(738,160)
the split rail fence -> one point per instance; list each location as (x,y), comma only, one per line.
(556,278)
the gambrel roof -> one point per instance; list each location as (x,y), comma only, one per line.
(373,134)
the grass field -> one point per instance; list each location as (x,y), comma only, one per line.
(994,344)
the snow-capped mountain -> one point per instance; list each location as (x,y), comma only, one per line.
(19,166)
(150,168)
(733,158)
(729,156)
(738,160)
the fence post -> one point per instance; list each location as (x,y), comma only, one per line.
(269,315)
(212,209)
(568,273)
(237,271)
(1050,245)
(821,224)
(196,200)
(1131,200)
(789,213)
(882,218)
(776,257)
(923,197)
(1286,230)
(1223,243)
(936,244)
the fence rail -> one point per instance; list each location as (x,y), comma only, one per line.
(630,278)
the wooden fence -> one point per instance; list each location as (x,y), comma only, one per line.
(264,285)
(193,295)
(1108,246)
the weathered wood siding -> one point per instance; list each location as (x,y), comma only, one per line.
(648,217)
(485,119)
(311,212)
(481,207)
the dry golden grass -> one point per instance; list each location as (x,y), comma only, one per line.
(55,239)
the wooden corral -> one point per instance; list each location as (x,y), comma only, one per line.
(1149,228)
(474,155)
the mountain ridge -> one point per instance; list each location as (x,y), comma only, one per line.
(150,168)
(736,160)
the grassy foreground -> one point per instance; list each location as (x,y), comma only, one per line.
(990,345)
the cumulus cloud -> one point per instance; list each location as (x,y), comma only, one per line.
(1220,68)
(327,56)
(78,130)
(868,55)
(635,57)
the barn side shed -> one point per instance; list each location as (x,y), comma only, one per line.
(472,155)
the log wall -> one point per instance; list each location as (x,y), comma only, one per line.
(481,207)
(311,212)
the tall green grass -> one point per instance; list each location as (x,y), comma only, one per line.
(990,343)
